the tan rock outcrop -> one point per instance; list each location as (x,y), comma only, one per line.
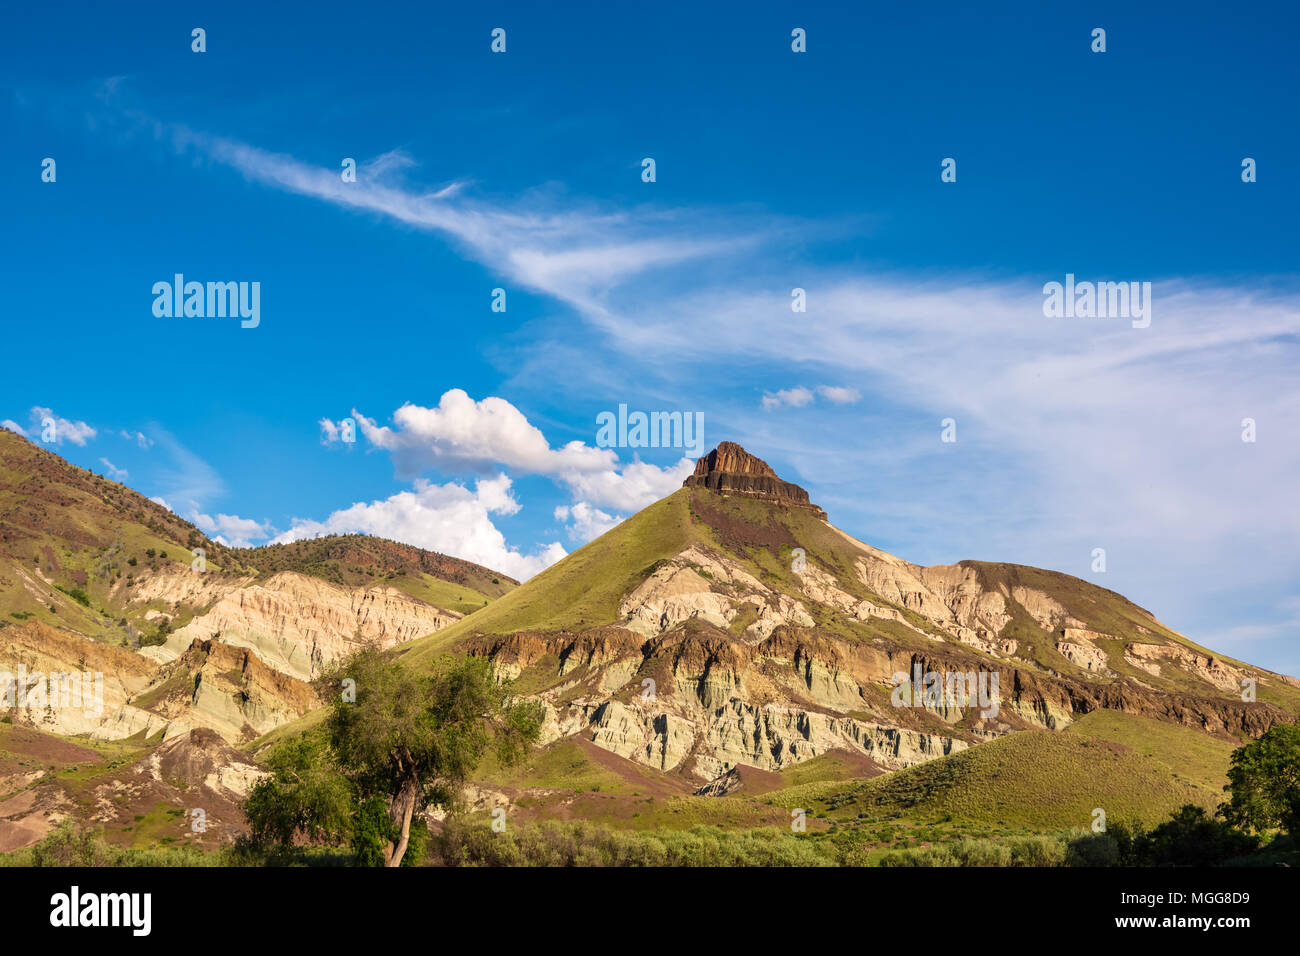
(296,624)
(74,685)
(226,689)
(699,585)
(1085,655)
(949,596)
(1210,669)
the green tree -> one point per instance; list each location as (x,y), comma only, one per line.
(415,738)
(393,744)
(305,797)
(1264,782)
(1190,837)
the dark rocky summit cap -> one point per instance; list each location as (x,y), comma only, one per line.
(730,470)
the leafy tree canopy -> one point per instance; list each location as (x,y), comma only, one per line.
(394,744)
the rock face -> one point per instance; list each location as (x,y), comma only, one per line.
(700,700)
(74,686)
(240,669)
(698,585)
(225,689)
(728,652)
(202,759)
(730,470)
(296,624)
(1210,669)
(46,660)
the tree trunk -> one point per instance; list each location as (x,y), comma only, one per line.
(399,814)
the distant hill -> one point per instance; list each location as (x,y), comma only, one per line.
(357,560)
(74,546)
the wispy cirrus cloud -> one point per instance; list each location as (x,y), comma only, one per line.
(575,252)
(180,475)
(114,472)
(1070,433)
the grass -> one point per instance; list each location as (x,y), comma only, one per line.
(444,594)
(828,767)
(162,826)
(562,765)
(583,590)
(1039,780)
(586,588)
(1187,753)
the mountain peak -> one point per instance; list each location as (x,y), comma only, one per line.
(730,470)
(731,458)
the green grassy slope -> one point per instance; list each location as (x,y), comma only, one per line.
(1131,767)
(584,589)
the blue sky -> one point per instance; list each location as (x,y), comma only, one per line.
(774,170)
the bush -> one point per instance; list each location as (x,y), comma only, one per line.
(983,853)
(921,856)
(1037,850)
(1191,838)
(69,846)
(1093,849)
(77,594)
(465,843)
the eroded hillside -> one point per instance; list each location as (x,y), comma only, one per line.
(730,626)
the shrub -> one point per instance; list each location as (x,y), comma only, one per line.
(1093,849)
(1037,850)
(1191,838)
(69,846)
(466,843)
(983,853)
(921,856)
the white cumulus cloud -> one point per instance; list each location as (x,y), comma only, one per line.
(45,423)
(585,522)
(460,434)
(231,530)
(449,518)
